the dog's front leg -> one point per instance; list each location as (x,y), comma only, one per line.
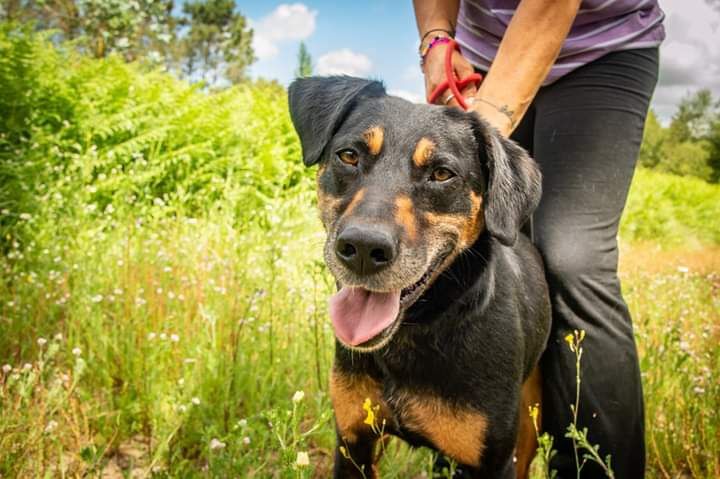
(360,415)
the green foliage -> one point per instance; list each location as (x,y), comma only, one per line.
(671,210)
(305,68)
(690,146)
(218,37)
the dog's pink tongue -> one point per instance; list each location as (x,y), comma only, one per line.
(359,315)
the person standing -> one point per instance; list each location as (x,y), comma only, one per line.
(571,82)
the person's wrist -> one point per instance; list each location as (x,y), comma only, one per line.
(501,121)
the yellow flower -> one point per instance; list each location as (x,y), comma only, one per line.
(370,419)
(569,339)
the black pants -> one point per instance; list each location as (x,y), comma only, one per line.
(585,132)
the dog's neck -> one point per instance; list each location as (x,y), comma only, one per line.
(460,282)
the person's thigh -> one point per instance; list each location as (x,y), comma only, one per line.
(587,133)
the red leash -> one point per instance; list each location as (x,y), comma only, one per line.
(454,84)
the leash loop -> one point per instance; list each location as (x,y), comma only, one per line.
(452,83)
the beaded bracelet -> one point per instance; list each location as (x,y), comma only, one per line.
(438,40)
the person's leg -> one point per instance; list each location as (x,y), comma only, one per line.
(587,132)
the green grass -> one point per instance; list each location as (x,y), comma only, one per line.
(163,297)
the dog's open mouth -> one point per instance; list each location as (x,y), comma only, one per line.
(359,315)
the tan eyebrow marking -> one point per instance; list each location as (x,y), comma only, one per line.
(374,139)
(423,152)
(405,217)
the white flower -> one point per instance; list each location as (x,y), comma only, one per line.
(25,216)
(195,401)
(303,459)
(76,351)
(58,337)
(182,408)
(163,336)
(181,382)
(51,426)
(216,444)
(41,342)
(6,368)
(683,269)
(151,336)
(242,422)
(174,338)
(246,440)
(298,396)
(97,298)
(27,367)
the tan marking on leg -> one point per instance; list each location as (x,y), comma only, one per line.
(457,432)
(526,445)
(405,216)
(374,139)
(354,202)
(423,152)
(348,393)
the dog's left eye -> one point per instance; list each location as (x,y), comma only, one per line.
(348,156)
(441,174)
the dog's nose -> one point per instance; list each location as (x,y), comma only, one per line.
(365,250)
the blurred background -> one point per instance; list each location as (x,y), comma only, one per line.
(162,291)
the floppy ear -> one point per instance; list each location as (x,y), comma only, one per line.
(318,106)
(514,185)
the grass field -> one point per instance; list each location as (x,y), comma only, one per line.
(163,301)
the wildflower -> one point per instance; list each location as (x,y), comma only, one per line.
(174,338)
(41,342)
(195,401)
(25,216)
(698,390)
(97,298)
(76,351)
(163,336)
(683,269)
(27,367)
(370,418)
(298,396)
(58,337)
(569,340)
(303,459)
(181,382)
(151,336)
(6,368)
(246,440)
(182,408)
(216,444)
(51,426)
(242,423)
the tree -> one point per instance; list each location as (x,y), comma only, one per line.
(218,41)
(305,68)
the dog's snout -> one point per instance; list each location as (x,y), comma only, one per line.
(365,250)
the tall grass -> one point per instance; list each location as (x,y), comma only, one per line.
(163,298)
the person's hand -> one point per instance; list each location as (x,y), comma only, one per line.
(434,70)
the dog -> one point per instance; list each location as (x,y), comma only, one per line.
(442,310)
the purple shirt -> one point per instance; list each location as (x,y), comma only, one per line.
(600,27)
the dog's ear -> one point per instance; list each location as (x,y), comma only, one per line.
(318,106)
(513,183)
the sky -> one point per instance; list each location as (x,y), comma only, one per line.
(378,39)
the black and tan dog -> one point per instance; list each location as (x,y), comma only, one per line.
(443,308)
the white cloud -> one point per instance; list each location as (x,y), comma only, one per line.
(689,57)
(408,95)
(287,22)
(344,62)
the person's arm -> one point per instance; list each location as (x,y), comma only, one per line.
(434,16)
(527,52)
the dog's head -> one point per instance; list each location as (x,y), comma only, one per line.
(403,189)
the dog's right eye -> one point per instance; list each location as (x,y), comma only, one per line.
(349,157)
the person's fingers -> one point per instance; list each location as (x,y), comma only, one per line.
(434,70)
